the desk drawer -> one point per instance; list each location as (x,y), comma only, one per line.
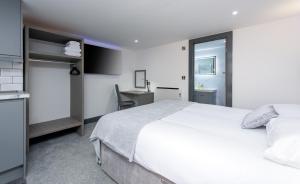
(144,99)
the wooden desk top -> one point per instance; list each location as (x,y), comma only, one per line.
(135,92)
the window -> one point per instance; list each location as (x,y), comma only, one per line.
(206,66)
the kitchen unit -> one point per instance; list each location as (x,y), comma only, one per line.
(11,30)
(12,98)
(11,49)
(12,136)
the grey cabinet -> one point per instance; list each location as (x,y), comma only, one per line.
(11,134)
(11,28)
(205,97)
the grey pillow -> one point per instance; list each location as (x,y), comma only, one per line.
(259,117)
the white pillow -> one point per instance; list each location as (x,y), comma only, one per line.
(284,138)
(288,110)
(285,151)
(279,128)
(259,117)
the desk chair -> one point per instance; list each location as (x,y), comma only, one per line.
(123,104)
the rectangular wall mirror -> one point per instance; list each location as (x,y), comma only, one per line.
(206,66)
(140,79)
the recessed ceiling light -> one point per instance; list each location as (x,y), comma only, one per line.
(136,41)
(235,12)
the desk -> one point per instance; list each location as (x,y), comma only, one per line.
(139,97)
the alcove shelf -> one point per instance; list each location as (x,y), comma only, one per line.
(40,129)
(47,46)
(52,57)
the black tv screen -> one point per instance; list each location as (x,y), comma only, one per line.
(100,60)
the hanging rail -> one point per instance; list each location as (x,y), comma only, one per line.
(51,61)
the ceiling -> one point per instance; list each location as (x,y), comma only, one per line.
(153,22)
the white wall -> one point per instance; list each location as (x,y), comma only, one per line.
(165,65)
(49,92)
(266,64)
(99,90)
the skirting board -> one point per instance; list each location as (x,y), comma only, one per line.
(92,120)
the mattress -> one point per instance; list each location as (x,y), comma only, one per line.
(205,144)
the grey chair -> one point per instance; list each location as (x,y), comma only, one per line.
(123,104)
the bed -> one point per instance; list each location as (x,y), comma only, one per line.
(185,143)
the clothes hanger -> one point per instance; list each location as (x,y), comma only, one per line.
(74,70)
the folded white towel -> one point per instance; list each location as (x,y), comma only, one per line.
(73,54)
(73,46)
(73,43)
(71,49)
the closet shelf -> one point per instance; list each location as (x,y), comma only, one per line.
(53,57)
(40,129)
(47,46)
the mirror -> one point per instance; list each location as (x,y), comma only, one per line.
(206,66)
(140,79)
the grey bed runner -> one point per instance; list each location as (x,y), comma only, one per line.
(120,130)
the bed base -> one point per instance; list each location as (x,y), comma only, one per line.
(124,172)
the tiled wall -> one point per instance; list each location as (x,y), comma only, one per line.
(11,76)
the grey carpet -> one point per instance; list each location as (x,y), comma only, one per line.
(69,159)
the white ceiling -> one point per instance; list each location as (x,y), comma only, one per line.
(153,22)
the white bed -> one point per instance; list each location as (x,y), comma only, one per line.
(204,144)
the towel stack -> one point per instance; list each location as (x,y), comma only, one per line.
(73,49)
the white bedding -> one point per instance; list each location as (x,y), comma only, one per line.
(204,144)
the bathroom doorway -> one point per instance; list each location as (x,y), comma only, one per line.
(210,69)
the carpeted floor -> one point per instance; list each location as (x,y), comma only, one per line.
(67,159)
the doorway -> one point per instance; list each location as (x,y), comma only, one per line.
(210,69)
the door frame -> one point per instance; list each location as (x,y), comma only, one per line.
(228,52)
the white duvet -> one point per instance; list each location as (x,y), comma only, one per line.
(204,144)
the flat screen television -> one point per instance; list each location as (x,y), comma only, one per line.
(100,60)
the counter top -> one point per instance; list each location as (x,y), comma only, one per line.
(206,90)
(13,95)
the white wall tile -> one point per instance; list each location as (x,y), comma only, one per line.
(11,72)
(18,66)
(11,76)
(17,72)
(5,80)
(11,87)
(17,80)
(6,72)
(5,64)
